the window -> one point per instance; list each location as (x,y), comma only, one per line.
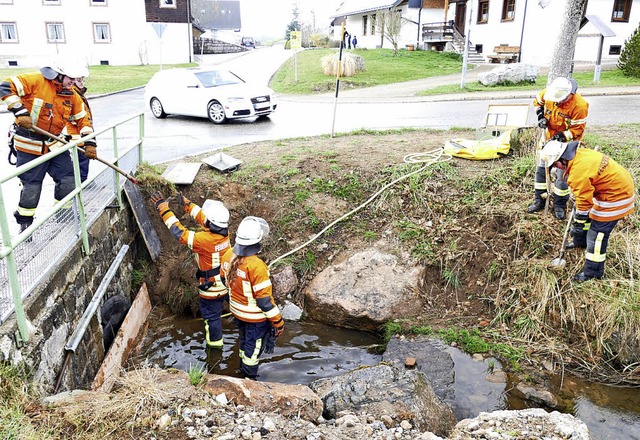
(98,2)
(483,11)
(55,33)
(365,24)
(50,2)
(479,48)
(615,50)
(508,10)
(373,24)
(621,10)
(101,33)
(168,3)
(8,33)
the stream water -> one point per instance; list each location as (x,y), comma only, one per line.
(309,351)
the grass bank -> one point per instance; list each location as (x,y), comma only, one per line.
(107,79)
(608,78)
(381,67)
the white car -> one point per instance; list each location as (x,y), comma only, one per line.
(213,93)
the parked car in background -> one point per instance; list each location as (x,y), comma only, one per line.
(207,92)
(248,42)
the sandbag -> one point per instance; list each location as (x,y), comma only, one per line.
(483,149)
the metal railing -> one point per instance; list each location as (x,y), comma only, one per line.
(26,259)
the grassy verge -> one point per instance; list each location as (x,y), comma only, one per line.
(106,79)
(381,67)
(608,78)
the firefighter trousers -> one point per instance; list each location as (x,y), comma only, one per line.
(59,168)
(561,191)
(597,241)
(251,335)
(211,311)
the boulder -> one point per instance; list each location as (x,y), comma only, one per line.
(284,282)
(364,291)
(432,359)
(513,73)
(386,390)
(288,400)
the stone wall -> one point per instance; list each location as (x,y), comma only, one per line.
(55,308)
(212,46)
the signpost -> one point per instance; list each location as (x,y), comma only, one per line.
(295,43)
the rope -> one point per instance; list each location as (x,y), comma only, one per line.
(429,158)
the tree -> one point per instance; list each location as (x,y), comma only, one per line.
(294,24)
(562,60)
(629,61)
(389,24)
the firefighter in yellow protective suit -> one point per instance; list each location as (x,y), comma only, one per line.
(562,112)
(251,298)
(208,247)
(604,193)
(46,100)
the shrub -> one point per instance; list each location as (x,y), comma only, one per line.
(351,64)
(629,61)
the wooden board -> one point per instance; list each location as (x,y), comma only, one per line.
(149,233)
(182,173)
(124,342)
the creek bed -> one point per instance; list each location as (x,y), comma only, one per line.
(309,351)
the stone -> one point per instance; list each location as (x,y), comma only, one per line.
(291,312)
(537,395)
(513,73)
(284,281)
(363,291)
(294,400)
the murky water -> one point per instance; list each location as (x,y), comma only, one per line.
(309,351)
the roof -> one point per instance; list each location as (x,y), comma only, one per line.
(354,7)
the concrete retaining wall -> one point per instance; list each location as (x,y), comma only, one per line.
(56,307)
(214,46)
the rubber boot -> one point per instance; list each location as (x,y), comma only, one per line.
(581,277)
(23,221)
(537,205)
(559,212)
(211,344)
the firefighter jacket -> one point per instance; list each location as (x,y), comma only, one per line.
(604,190)
(51,109)
(250,293)
(568,117)
(207,248)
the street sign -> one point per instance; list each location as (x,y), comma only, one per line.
(159,28)
(295,39)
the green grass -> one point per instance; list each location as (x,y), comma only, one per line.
(196,373)
(106,79)
(381,67)
(608,78)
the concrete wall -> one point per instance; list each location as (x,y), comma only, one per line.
(214,46)
(55,308)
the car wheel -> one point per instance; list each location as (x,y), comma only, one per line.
(215,112)
(156,108)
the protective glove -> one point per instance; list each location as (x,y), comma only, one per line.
(580,225)
(24,121)
(23,118)
(183,200)
(542,121)
(278,327)
(89,147)
(158,199)
(559,137)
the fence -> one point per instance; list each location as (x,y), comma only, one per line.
(26,259)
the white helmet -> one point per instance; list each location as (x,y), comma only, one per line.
(560,89)
(552,151)
(71,67)
(251,231)
(216,213)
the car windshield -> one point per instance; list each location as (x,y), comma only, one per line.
(215,78)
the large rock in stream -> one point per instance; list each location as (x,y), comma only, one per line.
(364,291)
(385,390)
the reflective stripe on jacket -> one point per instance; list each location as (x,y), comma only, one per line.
(251,296)
(208,249)
(568,117)
(50,108)
(602,187)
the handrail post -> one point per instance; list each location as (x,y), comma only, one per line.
(12,272)
(80,201)
(141,126)
(114,135)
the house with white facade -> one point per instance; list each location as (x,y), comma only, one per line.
(114,32)
(532,26)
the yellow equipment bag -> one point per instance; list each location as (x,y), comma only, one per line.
(483,149)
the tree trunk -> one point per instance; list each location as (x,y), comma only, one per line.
(562,61)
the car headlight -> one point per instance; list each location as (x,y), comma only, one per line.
(236,99)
